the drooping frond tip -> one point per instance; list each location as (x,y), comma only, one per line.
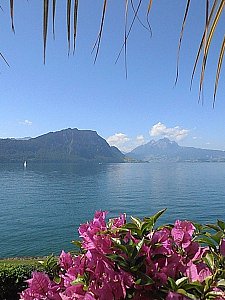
(12,14)
(181,37)
(45,25)
(75,15)
(98,41)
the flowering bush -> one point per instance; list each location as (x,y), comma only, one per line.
(134,260)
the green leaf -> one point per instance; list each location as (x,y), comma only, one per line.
(57,279)
(158,214)
(221,224)
(77,243)
(139,245)
(213,295)
(221,282)
(206,241)
(217,237)
(181,281)
(136,221)
(213,226)
(79,280)
(130,226)
(189,295)
(209,260)
(172,284)
(143,279)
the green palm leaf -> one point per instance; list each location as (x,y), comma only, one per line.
(220,61)
(45,25)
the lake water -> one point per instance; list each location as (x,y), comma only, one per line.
(42,206)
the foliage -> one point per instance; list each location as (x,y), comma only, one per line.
(135,260)
(213,11)
(13,279)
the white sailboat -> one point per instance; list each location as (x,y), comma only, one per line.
(25,164)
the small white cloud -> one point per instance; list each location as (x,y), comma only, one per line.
(117,138)
(140,139)
(175,133)
(125,143)
(195,137)
(26,122)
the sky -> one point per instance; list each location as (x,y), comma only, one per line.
(74,92)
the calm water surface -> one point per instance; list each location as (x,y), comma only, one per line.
(42,206)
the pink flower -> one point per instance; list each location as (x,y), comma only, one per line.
(118,222)
(65,260)
(222,247)
(197,272)
(161,242)
(40,287)
(93,236)
(175,296)
(182,233)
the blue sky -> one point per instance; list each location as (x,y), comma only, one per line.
(73,92)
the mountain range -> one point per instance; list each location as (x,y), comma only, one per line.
(167,150)
(68,145)
(73,145)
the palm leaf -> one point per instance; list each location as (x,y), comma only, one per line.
(45,25)
(181,37)
(130,28)
(208,42)
(148,12)
(139,20)
(75,23)
(220,61)
(202,41)
(68,23)
(125,36)
(11,14)
(53,17)
(98,41)
(2,56)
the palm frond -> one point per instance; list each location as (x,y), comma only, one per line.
(2,56)
(148,12)
(202,41)
(53,17)
(98,41)
(148,28)
(220,61)
(68,23)
(75,14)
(12,14)
(181,37)
(130,28)
(209,37)
(45,25)
(125,36)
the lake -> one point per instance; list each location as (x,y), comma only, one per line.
(42,206)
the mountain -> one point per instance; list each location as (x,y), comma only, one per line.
(68,145)
(167,150)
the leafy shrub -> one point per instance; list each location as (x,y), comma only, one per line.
(13,279)
(134,260)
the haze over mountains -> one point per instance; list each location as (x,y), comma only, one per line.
(68,145)
(167,150)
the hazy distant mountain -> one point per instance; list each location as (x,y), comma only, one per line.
(164,149)
(69,145)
